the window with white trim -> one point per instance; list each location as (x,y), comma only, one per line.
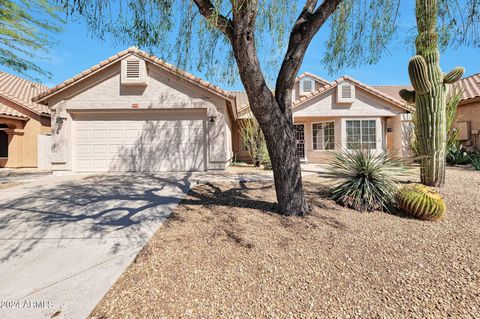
(323,136)
(307,85)
(361,134)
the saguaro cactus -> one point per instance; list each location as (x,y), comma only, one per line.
(430,94)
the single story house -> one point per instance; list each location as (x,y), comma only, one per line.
(21,121)
(134,112)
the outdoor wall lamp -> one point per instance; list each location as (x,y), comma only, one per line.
(59,121)
(212,119)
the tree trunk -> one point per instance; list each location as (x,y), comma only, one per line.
(276,126)
(430,95)
(274,114)
(281,144)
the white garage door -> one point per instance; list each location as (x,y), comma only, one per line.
(148,143)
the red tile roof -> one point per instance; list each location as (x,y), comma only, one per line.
(392,90)
(21,92)
(148,57)
(470,86)
(8,111)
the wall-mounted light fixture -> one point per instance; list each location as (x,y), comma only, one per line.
(59,121)
(211,119)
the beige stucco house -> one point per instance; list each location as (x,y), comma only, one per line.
(134,112)
(21,121)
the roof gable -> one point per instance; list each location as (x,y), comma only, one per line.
(334,84)
(141,54)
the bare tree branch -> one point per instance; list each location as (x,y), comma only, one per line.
(208,10)
(307,25)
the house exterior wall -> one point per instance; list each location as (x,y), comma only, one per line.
(365,107)
(164,91)
(470,112)
(23,137)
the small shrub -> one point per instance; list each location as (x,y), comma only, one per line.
(475,160)
(265,159)
(457,155)
(421,202)
(370,183)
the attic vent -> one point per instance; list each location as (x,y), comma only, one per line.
(307,85)
(346,92)
(133,69)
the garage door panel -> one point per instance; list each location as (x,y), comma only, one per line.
(115,133)
(143,145)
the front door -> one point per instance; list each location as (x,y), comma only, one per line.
(300,136)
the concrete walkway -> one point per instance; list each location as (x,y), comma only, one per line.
(64,240)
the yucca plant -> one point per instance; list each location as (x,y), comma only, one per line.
(370,179)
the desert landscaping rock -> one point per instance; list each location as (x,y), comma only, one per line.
(225,253)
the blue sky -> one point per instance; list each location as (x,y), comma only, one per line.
(77,50)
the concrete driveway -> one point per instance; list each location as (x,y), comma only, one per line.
(65,240)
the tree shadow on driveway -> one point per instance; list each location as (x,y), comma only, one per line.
(125,206)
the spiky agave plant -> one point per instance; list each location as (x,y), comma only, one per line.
(370,182)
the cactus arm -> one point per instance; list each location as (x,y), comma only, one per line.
(407,96)
(418,73)
(454,75)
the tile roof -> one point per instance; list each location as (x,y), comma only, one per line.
(148,57)
(21,92)
(313,76)
(392,90)
(8,111)
(470,86)
(370,89)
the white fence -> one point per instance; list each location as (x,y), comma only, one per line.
(44,151)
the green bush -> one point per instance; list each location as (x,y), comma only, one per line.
(475,160)
(457,155)
(421,202)
(369,179)
(265,159)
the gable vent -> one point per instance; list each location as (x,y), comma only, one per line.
(133,69)
(346,92)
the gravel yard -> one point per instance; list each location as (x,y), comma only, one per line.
(224,253)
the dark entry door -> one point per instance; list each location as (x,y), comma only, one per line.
(300,135)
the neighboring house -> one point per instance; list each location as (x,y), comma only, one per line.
(343,114)
(134,112)
(469,112)
(468,122)
(21,121)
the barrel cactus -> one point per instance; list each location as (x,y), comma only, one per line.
(430,95)
(421,202)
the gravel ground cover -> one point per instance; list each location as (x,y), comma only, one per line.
(224,253)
